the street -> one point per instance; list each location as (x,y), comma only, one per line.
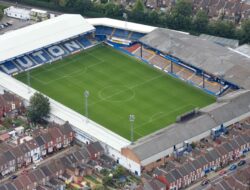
(214,177)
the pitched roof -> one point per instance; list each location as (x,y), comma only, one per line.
(24,148)
(9,156)
(46,171)
(202,54)
(11,186)
(40,141)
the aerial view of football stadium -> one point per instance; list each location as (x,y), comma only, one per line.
(103,103)
(118,85)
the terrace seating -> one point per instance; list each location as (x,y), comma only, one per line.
(146,54)
(185,74)
(196,80)
(213,86)
(132,48)
(177,68)
(160,61)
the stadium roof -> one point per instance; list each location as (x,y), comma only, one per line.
(244,50)
(221,41)
(60,111)
(42,34)
(121,24)
(152,147)
(203,54)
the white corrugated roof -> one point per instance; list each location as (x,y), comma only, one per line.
(42,34)
(121,24)
(60,111)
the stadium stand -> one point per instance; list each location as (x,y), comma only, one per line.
(103,30)
(56,51)
(24,62)
(136,35)
(119,33)
(40,57)
(159,61)
(132,48)
(9,67)
(84,41)
(181,70)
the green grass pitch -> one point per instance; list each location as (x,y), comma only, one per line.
(119,85)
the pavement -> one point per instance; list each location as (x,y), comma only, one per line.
(45,160)
(214,177)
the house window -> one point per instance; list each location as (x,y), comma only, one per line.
(158,160)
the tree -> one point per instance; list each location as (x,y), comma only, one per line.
(181,16)
(1,14)
(245,28)
(112,10)
(62,3)
(39,108)
(119,171)
(183,7)
(200,22)
(139,6)
(222,28)
(107,180)
(100,187)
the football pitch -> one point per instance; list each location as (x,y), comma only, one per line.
(119,85)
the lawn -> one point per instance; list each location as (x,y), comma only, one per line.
(119,85)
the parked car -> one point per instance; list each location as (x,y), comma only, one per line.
(222,172)
(205,182)
(242,162)
(13,177)
(233,167)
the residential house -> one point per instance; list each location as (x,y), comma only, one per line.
(95,149)
(19,156)
(26,152)
(3,165)
(40,176)
(10,160)
(34,150)
(82,155)
(41,144)
(49,144)
(57,137)
(26,182)
(68,134)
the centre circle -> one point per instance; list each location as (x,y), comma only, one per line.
(116,93)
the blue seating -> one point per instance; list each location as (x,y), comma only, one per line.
(47,54)
(9,67)
(25,62)
(136,35)
(104,30)
(99,30)
(84,41)
(56,51)
(40,60)
(121,33)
